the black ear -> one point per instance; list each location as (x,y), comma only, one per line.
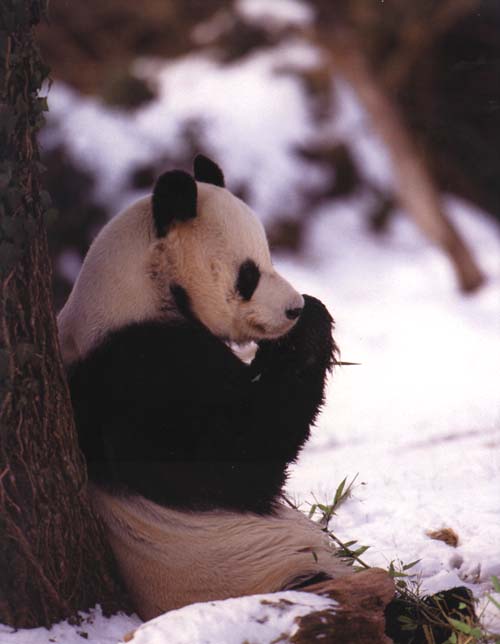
(207,171)
(174,199)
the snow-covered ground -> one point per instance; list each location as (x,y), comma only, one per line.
(258,619)
(418,421)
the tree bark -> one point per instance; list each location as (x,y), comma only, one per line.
(53,556)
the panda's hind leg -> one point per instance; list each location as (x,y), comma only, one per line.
(170,558)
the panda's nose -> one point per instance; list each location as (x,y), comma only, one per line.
(293,314)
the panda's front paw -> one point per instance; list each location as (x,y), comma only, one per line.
(309,343)
(312,337)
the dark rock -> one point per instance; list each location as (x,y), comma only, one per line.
(429,614)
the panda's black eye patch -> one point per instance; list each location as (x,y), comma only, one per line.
(248,279)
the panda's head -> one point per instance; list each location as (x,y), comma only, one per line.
(212,256)
(192,250)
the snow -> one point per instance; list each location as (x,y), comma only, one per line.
(490,613)
(352,125)
(94,629)
(419,419)
(279,12)
(237,110)
(258,618)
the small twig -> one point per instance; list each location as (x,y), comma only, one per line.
(289,503)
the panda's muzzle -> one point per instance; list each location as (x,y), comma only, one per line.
(275,308)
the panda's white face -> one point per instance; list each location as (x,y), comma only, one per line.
(220,262)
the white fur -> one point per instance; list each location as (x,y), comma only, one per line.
(169,558)
(113,287)
(127,273)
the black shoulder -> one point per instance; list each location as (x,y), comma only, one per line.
(185,344)
(148,361)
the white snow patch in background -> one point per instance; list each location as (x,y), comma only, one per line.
(279,12)
(430,355)
(353,126)
(241,107)
(252,116)
(257,618)
(106,142)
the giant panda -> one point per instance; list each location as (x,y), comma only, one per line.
(187,445)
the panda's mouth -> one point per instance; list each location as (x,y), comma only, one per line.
(262,332)
(260,329)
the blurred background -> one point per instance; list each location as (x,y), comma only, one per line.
(278,92)
(365,135)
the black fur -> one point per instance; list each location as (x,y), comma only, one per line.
(182,301)
(166,410)
(207,171)
(248,279)
(174,199)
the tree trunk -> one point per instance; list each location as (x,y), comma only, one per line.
(53,557)
(415,188)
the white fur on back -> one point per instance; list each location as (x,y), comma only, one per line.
(170,558)
(113,287)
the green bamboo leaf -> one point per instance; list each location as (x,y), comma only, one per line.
(460,626)
(360,551)
(493,601)
(339,492)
